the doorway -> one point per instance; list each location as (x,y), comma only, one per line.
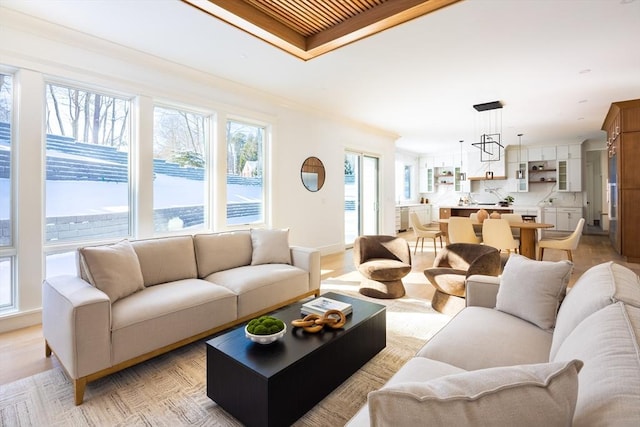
(361,195)
(595,182)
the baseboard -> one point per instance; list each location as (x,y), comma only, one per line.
(23,319)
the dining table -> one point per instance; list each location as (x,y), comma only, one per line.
(527,234)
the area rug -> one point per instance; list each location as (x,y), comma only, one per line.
(170,390)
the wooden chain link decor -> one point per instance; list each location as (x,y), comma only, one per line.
(314,322)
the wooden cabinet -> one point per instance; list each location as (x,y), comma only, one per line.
(622,125)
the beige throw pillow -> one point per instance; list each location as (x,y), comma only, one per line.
(533,290)
(525,395)
(270,246)
(114,269)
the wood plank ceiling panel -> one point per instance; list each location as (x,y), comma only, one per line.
(309,28)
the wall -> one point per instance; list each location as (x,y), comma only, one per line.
(39,51)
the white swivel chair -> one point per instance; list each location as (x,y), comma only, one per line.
(461,230)
(422,232)
(569,244)
(513,217)
(497,233)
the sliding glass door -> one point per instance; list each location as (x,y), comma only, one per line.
(361,185)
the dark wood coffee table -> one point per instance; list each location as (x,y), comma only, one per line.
(275,384)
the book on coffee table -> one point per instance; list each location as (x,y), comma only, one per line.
(321,305)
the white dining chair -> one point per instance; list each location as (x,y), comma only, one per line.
(421,232)
(569,244)
(497,233)
(461,230)
(513,217)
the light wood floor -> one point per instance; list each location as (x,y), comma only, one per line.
(22,351)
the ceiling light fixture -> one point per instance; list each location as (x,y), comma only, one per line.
(491,137)
(463,175)
(520,171)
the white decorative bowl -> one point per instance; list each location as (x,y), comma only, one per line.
(265,339)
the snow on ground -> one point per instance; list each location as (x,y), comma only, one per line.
(65,198)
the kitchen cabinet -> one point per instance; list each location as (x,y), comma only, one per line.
(424,213)
(549,217)
(541,153)
(564,219)
(567,218)
(516,155)
(569,174)
(443,161)
(426,175)
(572,151)
(622,124)
(515,184)
(426,180)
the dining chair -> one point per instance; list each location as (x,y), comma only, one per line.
(460,230)
(497,233)
(513,217)
(569,244)
(422,232)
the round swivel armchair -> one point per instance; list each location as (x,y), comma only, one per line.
(383,261)
(450,270)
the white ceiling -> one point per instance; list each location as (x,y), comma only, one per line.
(556,65)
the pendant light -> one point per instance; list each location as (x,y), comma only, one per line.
(463,176)
(520,171)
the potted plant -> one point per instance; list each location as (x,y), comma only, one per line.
(508,200)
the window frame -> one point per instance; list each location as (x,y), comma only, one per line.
(210,118)
(54,247)
(9,252)
(266,171)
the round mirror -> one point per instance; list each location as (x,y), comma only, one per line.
(312,174)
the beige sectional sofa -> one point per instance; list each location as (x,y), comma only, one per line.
(506,359)
(132,301)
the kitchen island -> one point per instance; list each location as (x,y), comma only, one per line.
(449,211)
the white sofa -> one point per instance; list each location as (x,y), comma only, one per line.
(132,301)
(488,366)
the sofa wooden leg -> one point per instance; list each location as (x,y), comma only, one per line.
(47,349)
(78,389)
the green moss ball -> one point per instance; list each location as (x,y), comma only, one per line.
(265,325)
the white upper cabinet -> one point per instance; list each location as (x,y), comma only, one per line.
(541,153)
(515,155)
(572,151)
(569,175)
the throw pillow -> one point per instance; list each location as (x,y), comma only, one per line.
(114,269)
(533,290)
(270,246)
(524,395)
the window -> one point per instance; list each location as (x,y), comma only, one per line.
(179,160)
(245,173)
(87,165)
(407,182)
(7,249)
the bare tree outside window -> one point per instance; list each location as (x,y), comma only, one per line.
(245,167)
(87,165)
(179,186)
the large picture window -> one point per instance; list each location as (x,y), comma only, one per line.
(245,173)
(179,165)
(7,249)
(87,165)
